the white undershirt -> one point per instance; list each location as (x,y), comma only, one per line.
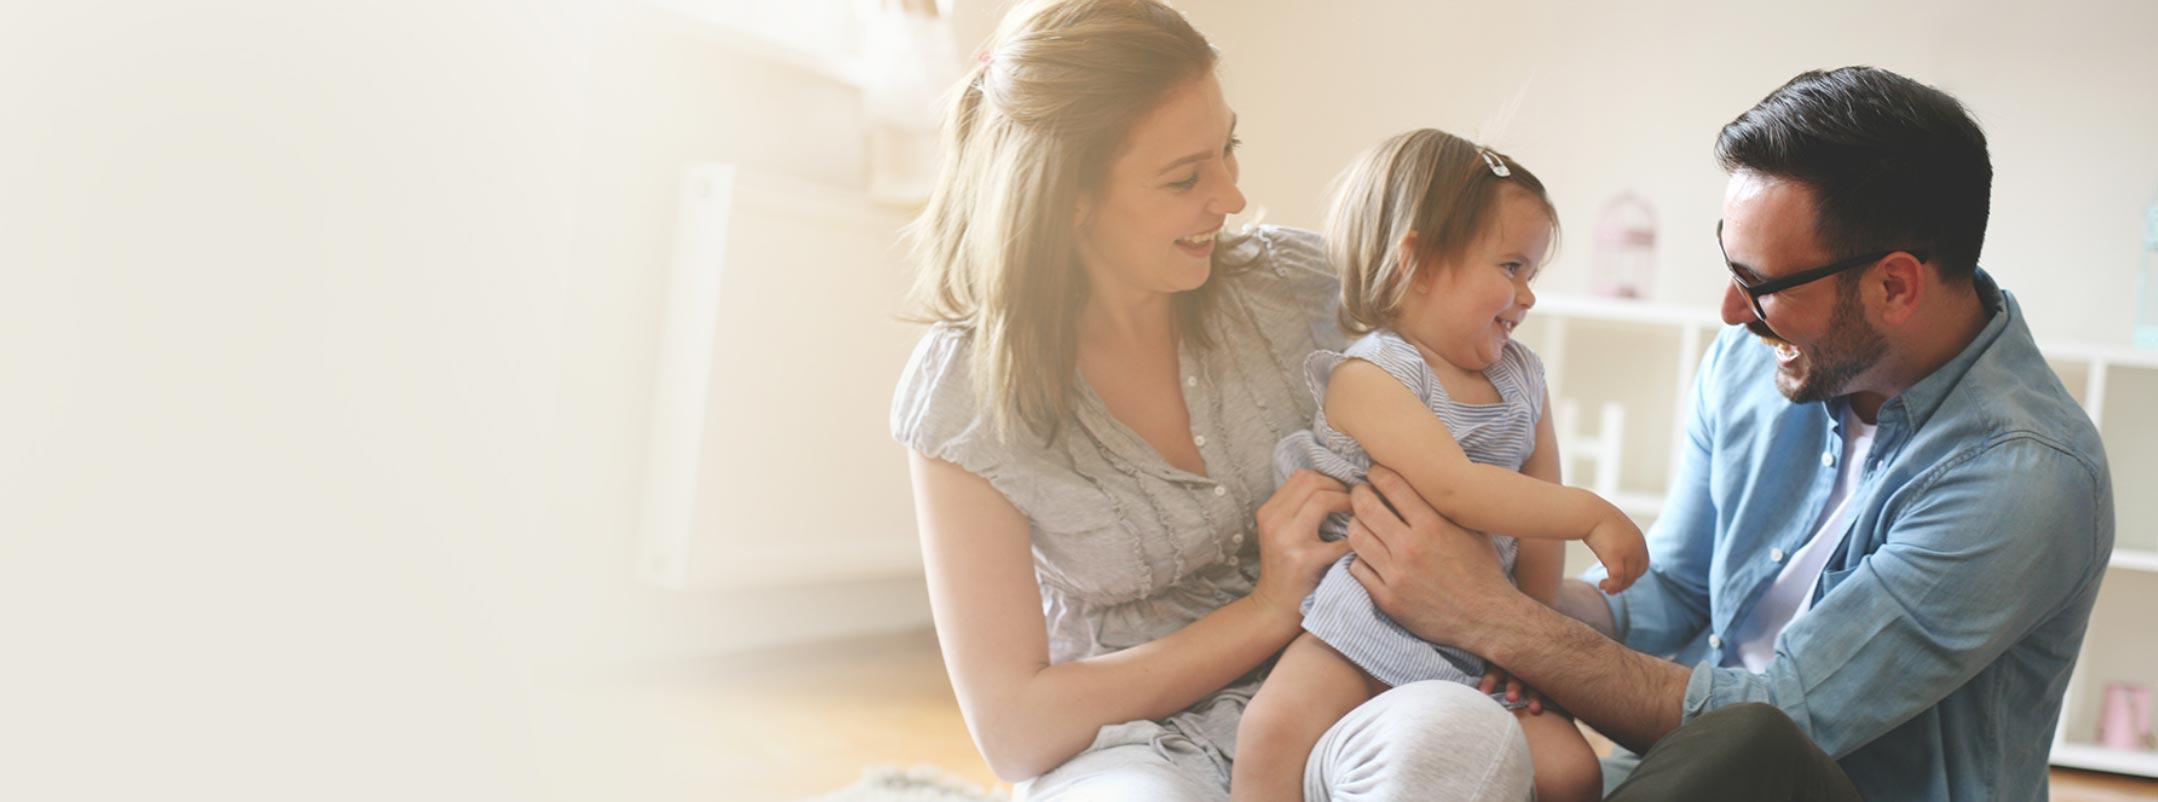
(1791,595)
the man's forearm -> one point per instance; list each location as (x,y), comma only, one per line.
(1633,698)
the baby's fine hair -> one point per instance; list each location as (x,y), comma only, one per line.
(1427,181)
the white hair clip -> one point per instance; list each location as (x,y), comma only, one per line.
(1497,165)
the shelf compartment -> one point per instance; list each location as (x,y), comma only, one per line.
(2115,649)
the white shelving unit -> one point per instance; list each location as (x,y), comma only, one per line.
(2117,392)
(1620,357)
(1560,316)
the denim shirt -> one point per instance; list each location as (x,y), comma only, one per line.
(1933,662)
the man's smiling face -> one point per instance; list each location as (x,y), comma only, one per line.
(1819,330)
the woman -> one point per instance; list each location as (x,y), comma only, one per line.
(1092,420)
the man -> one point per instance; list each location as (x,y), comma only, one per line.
(1891,520)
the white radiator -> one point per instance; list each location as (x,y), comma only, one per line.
(770,460)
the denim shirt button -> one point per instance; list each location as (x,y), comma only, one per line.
(1775,555)
(1715,641)
(1828,459)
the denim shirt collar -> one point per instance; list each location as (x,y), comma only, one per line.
(1918,403)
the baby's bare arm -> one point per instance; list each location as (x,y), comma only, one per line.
(1366,403)
(1541,562)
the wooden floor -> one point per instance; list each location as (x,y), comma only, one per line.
(789,724)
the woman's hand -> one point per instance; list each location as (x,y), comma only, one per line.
(1292,558)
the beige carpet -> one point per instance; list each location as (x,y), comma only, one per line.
(790,726)
(918,784)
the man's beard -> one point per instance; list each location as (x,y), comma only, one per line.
(1851,347)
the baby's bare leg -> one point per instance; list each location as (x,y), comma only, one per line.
(1566,768)
(1312,687)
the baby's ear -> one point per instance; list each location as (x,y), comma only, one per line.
(1411,264)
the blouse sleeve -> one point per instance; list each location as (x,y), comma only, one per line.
(934,409)
(1294,265)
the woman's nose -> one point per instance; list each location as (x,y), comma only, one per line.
(1227,202)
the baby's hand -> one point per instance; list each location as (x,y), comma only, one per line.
(1496,678)
(1619,546)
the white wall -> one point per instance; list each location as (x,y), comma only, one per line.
(1631,95)
(280,367)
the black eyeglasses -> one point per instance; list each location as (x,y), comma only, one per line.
(1755,290)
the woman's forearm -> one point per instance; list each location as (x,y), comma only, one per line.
(1056,712)
(1029,716)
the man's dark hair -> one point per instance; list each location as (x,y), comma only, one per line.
(1894,164)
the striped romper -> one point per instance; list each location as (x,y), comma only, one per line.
(1339,612)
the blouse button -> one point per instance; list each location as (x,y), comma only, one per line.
(1198,440)
(1237,538)
(1220,490)
(1191,381)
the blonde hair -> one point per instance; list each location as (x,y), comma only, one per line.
(1033,129)
(1429,182)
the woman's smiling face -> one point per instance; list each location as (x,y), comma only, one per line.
(1151,226)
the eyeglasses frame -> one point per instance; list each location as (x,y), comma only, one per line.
(1754,291)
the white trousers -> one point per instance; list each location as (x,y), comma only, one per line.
(1424,741)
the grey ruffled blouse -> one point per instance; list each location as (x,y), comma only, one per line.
(1128,548)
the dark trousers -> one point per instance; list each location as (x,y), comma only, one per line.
(1742,752)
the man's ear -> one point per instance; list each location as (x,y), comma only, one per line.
(1899,284)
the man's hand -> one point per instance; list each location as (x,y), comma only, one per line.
(1439,581)
(1443,583)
